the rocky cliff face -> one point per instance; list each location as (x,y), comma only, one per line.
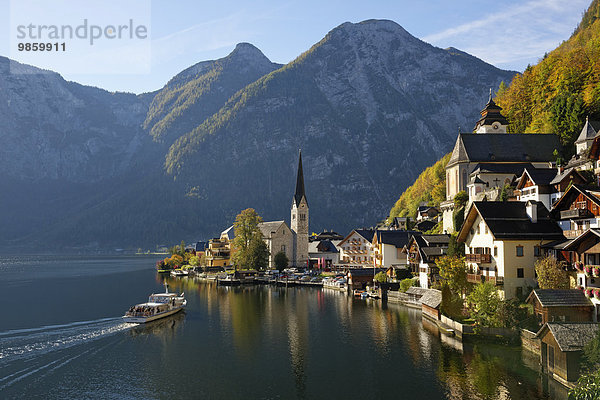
(369,105)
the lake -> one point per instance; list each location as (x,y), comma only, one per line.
(61,337)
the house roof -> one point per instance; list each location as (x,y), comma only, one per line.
(560,298)
(573,192)
(416,290)
(229,232)
(570,336)
(425,225)
(505,168)
(434,251)
(589,131)
(560,177)
(509,220)
(573,243)
(268,227)
(322,246)
(504,147)
(432,298)
(436,239)
(539,176)
(397,239)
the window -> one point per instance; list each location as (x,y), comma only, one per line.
(478,229)
(495,251)
(302,217)
(520,273)
(283,248)
(519,251)
(536,251)
(551,357)
(486,229)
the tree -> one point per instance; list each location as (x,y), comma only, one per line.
(460,199)
(588,387)
(453,272)
(247,236)
(380,277)
(482,303)
(455,249)
(405,284)
(258,254)
(551,274)
(281,261)
(452,303)
(508,314)
(194,261)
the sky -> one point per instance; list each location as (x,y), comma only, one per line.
(508,34)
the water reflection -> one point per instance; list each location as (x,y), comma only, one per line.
(165,328)
(324,333)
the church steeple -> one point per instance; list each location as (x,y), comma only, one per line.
(299,194)
(492,120)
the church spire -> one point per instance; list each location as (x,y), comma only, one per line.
(299,194)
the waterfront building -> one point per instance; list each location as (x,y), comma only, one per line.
(422,251)
(494,156)
(556,305)
(562,346)
(323,253)
(430,304)
(388,246)
(218,253)
(356,249)
(503,241)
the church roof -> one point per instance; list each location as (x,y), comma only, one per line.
(589,131)
(300,193)
(504,147)
(268,227)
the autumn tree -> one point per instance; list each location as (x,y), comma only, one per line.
(453,272)
(482,303)
(551,274)
(249,248)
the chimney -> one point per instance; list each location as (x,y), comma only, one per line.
(531,209)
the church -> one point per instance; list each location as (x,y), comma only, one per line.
(292,240)
(490,158)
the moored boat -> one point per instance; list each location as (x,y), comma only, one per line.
(159,305)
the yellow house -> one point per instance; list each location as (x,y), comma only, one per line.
(503,241)
(218,253)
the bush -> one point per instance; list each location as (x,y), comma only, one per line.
(380,277)
(405,284)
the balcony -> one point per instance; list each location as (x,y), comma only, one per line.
(479,258)
(477,278)
(576,213)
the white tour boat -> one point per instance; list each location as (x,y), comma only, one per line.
(159,305)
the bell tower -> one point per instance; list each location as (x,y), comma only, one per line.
(299,219)
(492,120)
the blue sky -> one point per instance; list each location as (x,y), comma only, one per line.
(508,34)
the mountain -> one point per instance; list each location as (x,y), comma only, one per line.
(369,105)
(556,95)
(201,90)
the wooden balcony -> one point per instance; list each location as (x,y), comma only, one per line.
(576,213)
(479,258)
(477,278)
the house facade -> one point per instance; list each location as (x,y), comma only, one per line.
(503,241)
(422,252)
(356,249)
(388,248)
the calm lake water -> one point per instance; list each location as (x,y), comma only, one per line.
(61,337)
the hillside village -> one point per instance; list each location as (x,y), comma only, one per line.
(510,202)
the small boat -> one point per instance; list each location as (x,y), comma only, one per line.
(159,305)
(229,280)
(179,272)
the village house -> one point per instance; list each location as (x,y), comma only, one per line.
(323,254)
(399,223)
(356,249)
(584,159)
(426,213)
(536,184)
(387,248)
(562,345)
(218,253)
(557,305)
(430,304)
(577,210)
(422,252)
(359,278)
(503,241)
(495,156)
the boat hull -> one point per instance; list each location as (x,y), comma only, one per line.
(143,320)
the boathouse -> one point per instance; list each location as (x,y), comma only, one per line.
(561,348)
(430,304)
(554,305)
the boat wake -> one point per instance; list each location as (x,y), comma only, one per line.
(34,342)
